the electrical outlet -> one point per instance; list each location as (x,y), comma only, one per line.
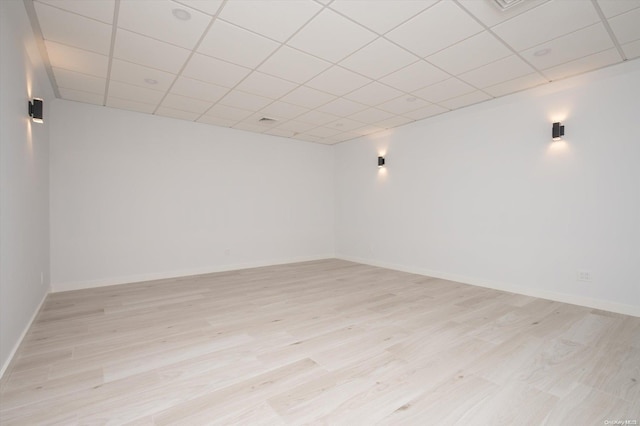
(583,276)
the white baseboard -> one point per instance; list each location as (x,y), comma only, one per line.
(527,291)
(7,362)
(80,285)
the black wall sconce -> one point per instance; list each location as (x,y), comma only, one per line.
(557,131)
(380,161)
(35,110)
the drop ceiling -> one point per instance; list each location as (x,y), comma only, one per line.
(321,71)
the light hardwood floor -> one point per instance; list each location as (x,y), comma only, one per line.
(325,342)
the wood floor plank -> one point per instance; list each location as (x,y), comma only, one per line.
(323,342)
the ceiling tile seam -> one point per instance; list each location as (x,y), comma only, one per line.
(255,32)
(255,69)
(114,30)
(191,54)
(507,45)
(72,12)
(609,30)
(388,31)
(42,48)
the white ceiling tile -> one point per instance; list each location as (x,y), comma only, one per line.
(176,113)
(626,27)
(428,111)
(323,132)
(265,85)
(497,72)
(308,97)
(308,138)
(471,53)
(616,7)
(403,104)
(78,81)
(338,81)
(73,59)
(373,94)
(346,136)
(342,107)
(130,105)
(211,70)
(371,115)
(516,85)
(184,103)
(367,130)
(490,14)
(378,58)
(244,100)
(345,124)
(249,126)
(80,96)
(465,100)
(394,122)
(631,50)
(216,121)
(283,110)
(331,36)
(198,89)
(293,65)
(102,10)
(585,64)
(237,45)
(380,16)
(140,75)
(228,113)
(121,90)
(210,7)
(317,117)
(281,132)
(276,19)
(447,89)
(415,76)
(296,126)
(559,18)
(581,43)
(73,30)
(155,18)
(434,29)
(149,52)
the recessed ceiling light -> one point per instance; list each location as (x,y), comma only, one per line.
(181,14)
(541,52)
(150,81)
(412,99)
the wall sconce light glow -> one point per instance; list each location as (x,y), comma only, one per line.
(557,131)
(380,161)
(35,110)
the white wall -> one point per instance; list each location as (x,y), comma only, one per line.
(136,197)
(24,180)
(483,196)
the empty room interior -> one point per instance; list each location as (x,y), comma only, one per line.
(331,212)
